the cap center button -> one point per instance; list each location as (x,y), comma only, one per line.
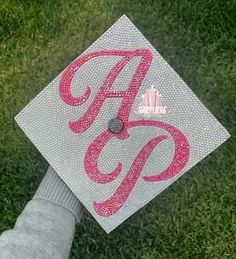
(115,125)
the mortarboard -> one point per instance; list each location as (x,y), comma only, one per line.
(119,125)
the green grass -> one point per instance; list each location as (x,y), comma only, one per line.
(195,217)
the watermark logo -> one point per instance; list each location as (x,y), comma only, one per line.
(152,104)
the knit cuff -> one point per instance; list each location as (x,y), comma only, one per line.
(52,188)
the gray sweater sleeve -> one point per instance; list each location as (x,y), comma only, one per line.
(45,228)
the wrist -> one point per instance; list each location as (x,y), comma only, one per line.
(53,189)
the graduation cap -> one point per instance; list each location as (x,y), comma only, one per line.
(119,125)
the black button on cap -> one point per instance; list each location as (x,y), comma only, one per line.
(115,125)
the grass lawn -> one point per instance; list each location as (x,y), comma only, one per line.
(196,216)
